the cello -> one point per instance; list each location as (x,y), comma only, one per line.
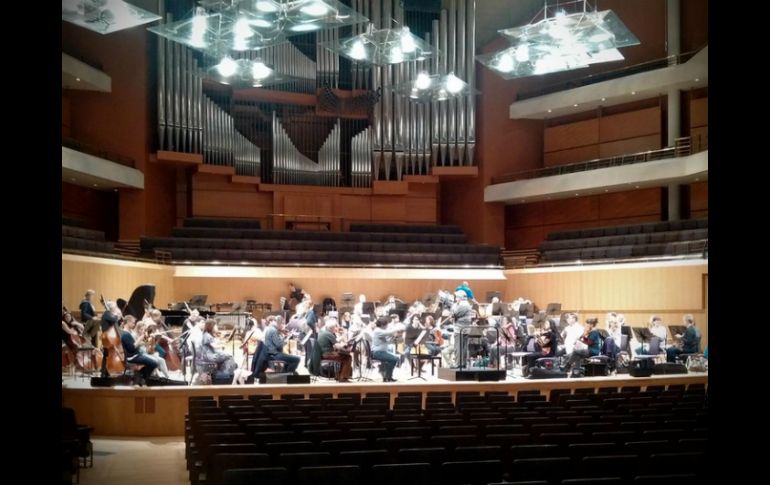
(111,341)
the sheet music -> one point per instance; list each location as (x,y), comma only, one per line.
(307,337)
(420,337)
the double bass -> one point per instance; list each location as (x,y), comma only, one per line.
(111,342)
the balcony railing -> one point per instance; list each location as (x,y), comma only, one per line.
(608,75)
(97,152)
(682,147)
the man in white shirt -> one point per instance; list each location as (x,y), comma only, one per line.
(572,333)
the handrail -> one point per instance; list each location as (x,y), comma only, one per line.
(682,148)
(608,75)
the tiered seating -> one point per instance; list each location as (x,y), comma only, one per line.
(200,240)
(674,238)
(82,239)
(614,437)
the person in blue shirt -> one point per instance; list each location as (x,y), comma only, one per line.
(689,341)
(467,290)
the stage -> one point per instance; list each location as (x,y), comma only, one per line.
(160,411)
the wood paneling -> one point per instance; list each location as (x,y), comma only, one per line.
(700,138)
(699,198)
(526,225)
(388,209)
(630,145)
(355,207)
(572,135)
(695,24)
(630,125)
(98,209)
(636,292)
(699,112)
(313,205)
(571,155)
(421,210)
(113,278)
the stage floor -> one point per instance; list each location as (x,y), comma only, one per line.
(160,411)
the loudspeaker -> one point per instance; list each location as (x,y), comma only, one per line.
(640,368)
(669,368)
(596,369)
(284,378)
(101,382)
(540,373)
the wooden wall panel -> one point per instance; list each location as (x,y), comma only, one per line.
(423,190)
(98,209)
(630,145)
(571,155)
(619,205)
(630,125)
(312,204)
(66,116)
(421,210)
(113,278)
(699,199)
(699,112)
(388,208)
(638,293)
(232,204)
(355,207)
(572,135)
(700,138)
(695,24)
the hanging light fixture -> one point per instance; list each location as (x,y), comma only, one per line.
(382,47)
(105,16)
(561,42)
(426,88)
(245,73)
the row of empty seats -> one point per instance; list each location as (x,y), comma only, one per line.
(630,229)
(406,228)
(673,238)
(82,239)
(211,239)
(222,223)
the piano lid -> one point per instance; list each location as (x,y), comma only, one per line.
(135,304)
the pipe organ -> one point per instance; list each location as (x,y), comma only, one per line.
(373,134)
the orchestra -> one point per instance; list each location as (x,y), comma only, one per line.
(447,326)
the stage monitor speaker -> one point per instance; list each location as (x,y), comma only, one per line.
(540,373)
(641,368)
(102,382)
(669,368)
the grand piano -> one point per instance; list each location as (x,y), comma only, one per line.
(176,315)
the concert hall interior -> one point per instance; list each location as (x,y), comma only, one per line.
(315,240)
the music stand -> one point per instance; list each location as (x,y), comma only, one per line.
(553,308)
(416,347)
(429,299)
(494,294)
(367,308)
(497,309)
(347,299)
(198,301)
(539,319)
(677,329)
(526,309)
(358,356)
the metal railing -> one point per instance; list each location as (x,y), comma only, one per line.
(683,147)
(609,75)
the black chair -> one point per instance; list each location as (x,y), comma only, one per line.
(402,474)
(329,475)
(79,437)
(248,476)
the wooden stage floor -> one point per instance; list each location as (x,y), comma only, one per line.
(160,411)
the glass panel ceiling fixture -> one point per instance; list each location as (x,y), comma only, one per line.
(426,88)
(382,47)
(245,73)
(561,42)
(105,16)
(218,26)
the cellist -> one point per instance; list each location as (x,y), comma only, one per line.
(110,320)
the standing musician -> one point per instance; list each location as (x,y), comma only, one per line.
(88,315)
(462,314)
(296,295)
(332,348)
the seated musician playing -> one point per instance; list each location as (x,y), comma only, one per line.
(413,330)
(208,352)
(275,334)
(381,339)
(133,355)
(331,349)
(689,340)
(147,332)
(589,346)
(547,342)
(70,337)
(658,331)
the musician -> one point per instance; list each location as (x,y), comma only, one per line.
(275,338)
(572,332)
(332,349)
(88,315)
(133,355)
(547,342)
(295,294)
(462,314)
(147,332)
(381,339)
(592,344)
(506,339)
(413,331)
(346,321)
(467,291)
(111,317)
(208,353)
(358,308)
(659,333)
(70,328)
(689,340)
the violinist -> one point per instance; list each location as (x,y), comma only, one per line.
(71,331)
(589,344)
(547,341)
(131,347)
(147,333)
(208,353)
(332,348)
(381,339)
(275,339)
(506,339)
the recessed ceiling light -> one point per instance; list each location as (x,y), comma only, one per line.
(78,79)
(523,200)
(697,79)
(575,105)
(636,186)
(576,195)
(96,185)
(633,93)
(604,99)
(76,181)
(695,179)
(606,190)
(550,110)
